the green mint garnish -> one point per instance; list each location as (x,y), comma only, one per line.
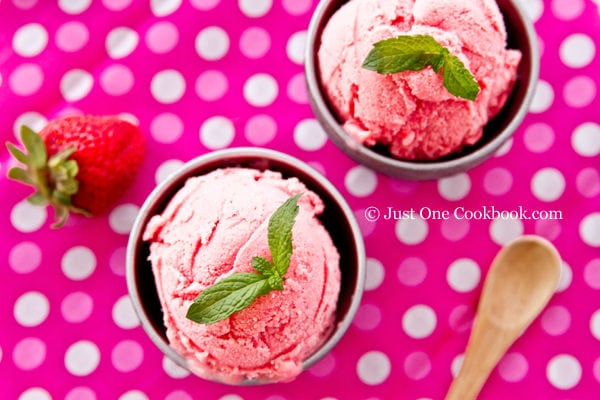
(414,53)
(239,290)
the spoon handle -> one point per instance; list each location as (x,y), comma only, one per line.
(487,344)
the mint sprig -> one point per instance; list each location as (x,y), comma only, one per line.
(239,290)
(416,52)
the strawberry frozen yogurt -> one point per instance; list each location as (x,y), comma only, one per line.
(411,114)
(212,228)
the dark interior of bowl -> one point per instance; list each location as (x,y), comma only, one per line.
(333,219)
(517,39)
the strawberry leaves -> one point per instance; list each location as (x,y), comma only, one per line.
(54,179)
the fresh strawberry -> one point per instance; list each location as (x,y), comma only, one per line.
(80,164)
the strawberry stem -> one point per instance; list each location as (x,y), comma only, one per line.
(54,179)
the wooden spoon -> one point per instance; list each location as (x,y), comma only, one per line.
(519,284)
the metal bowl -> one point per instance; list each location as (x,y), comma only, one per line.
(337,218)
(521,36)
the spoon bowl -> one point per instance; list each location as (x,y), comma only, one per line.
(522,279)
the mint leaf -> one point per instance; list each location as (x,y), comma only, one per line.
(403,53)
(230,295)
(262,265)
(280,234)
(416,52)
(239,290)
(458,80)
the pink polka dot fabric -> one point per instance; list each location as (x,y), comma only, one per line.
(200,75)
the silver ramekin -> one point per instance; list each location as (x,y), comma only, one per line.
(521,36)
(338,218)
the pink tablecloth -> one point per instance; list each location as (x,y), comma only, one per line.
(207,74)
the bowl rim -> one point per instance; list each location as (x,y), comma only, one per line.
(397,167)
(182,174)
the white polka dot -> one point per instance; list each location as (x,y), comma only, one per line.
(456,364)
(566,277)
(556,320)
(166,168)
(121,42)
(577,50)
(124,315)
(505,148)
(71,36)
(133,395)
(534,8)
(373,368)
(122,217)
(548,184)
(454,187)
(26,217)
(539,137)
(502,231)
(461,318)
(255,8)
(76,84)
(25,257)
(81,393)
(586,139)
(30,40)
(375,274)
(212,43)
(31,309)
(589,229)
(513,367)
(231,397)
(82,358)
(74,6)
(161,8)
(543,97)
(324,367)
(127,356)
(217,132)
(295,47)
(131,118)
(33,120)
(167,86)
(29,353)
(166,128)
(412,271)
(77,307)
(309,135)
(412,231)
(498,181)
(173,369)
(417,365)
(35,394)
(595,324)
(26,79)
(78,263)
(261,90)
(564,371)
(463,275)
(419,321)
(360,181)
(260,129)
(367,317)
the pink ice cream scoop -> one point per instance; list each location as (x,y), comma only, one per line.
(411,113)
(212,228)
